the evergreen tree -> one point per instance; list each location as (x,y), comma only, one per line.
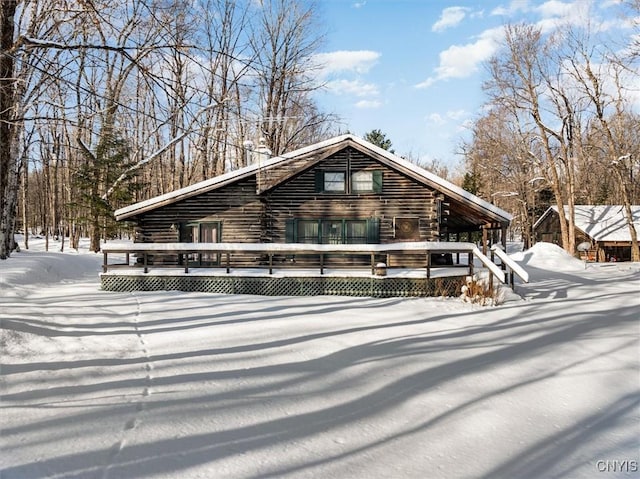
(379,139)
(471,182)
(90,207)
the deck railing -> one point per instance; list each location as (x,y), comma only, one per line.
(143,251)
(511,266)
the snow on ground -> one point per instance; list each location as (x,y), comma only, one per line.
(194,385)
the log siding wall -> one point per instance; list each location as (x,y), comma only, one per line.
(246,216)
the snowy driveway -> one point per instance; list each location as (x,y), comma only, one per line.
(167,385)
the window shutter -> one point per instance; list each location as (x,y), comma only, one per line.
(373,230)
(319,181)
(377,181)
(290,231)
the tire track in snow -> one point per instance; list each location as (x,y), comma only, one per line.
(133,423)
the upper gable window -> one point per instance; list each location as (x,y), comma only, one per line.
(359,182)
(366,181)
(330,181)
(362,181)
(334,181)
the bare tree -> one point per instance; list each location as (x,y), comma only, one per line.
(229,58)
(8,133)
(115,102)
(25,71)
(502,171)
(610,105)
(525,79)
(285,37)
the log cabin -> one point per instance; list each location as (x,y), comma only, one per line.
(343,190)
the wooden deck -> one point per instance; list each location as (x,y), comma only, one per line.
(130,268)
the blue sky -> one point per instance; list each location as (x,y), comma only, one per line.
(413,68)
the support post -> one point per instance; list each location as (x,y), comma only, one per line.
(228,263)
(484,239)
(321,263)
(104,262)
(504,236)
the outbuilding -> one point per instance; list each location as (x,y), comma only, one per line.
(602,230)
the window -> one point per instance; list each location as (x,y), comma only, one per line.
(334,181)
(355,232)
(307,231)
(333,231)
(366,181)
(360,182)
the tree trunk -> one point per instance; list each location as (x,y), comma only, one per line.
(8,159)
(25,217)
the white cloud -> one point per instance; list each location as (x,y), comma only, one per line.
(450,17)
(554,14)
(436,118)
(555,8)
(514,7)
(359,4)
(465,126)
(427,83)
(353,87)
(456,114)
(368,104)
(441,119)
(358,61)
(460,61)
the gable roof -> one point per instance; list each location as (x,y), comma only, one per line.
(600,222)
(332,144)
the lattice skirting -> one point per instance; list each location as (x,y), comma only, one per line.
(305,286)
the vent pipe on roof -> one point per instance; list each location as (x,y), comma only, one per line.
(262,153)
(248,149)
(256,155)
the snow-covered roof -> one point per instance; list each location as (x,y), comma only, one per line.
(601,222)
(393,160)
